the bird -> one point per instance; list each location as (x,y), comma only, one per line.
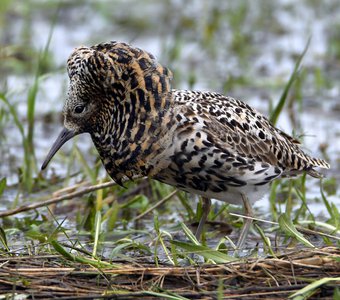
(201,142)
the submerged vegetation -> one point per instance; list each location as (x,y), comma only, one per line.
(73,223)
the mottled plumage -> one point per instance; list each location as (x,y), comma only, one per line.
(201,142)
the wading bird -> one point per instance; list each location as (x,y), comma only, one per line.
(200,142)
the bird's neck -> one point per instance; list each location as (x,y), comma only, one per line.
(135,116)
(128,137)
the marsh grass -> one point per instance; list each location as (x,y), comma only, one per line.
(102,216)
(29,167)
(98,240)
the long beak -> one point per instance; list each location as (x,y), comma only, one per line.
(63,137)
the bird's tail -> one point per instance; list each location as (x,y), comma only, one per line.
(311,163)
(317,162)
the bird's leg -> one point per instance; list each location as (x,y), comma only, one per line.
(246,226)
(205,211)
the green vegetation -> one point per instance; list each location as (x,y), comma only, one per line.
(70,214)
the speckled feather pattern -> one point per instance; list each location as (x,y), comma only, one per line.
(200,142)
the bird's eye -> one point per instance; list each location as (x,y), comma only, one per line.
(79,109)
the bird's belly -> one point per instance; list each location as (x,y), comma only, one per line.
(213,189)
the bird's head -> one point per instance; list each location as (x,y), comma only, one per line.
(102,78)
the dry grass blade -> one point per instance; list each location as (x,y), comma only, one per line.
(53,200)
(253,277)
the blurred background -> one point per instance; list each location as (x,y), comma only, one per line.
(244,49)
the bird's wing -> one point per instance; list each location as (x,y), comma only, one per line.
(232,122)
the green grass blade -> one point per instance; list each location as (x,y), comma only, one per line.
(61,250)
(93,262)
(266,240)
(111,216)
(184,200)
(307,290)
(27,174)
(220,289)
(156,223)
(206,252)
(331,208)
(278,109)
(287,226)
(14,114)
(189,234)
(336,215)
(156,228)
(336,295)
(89,171)
(164,247)
(97,229)
(125,243)
(272,199)
(2,185)
(31,164)
(3,239)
